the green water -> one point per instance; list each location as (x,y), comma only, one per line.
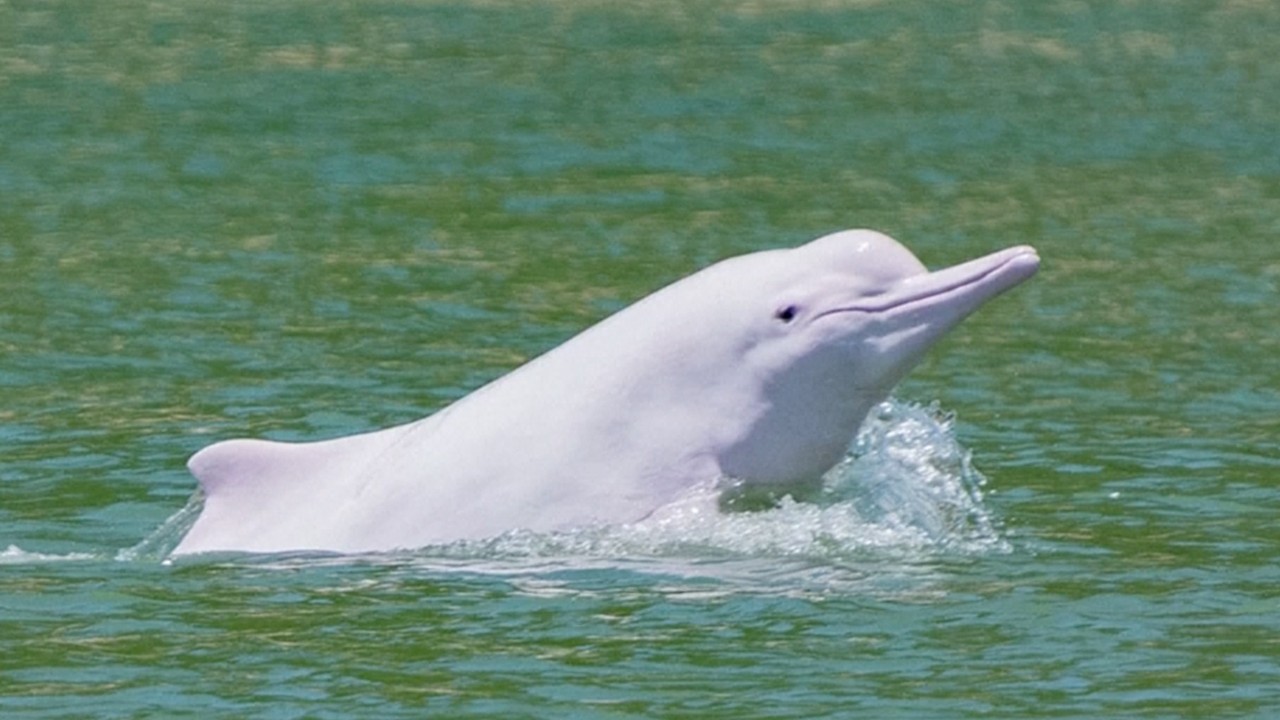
(303,219)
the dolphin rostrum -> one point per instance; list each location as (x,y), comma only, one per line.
(759,368)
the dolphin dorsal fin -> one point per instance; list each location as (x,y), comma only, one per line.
(252,488)
(245,467)
(235,466)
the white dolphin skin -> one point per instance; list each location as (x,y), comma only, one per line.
(758,368)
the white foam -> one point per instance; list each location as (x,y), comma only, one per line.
(14,555)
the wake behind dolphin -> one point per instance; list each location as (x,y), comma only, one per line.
(760,368)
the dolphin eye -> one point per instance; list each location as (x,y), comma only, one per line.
(787,313)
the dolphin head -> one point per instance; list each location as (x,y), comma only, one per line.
(835,324)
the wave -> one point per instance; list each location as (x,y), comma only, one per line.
(14,555)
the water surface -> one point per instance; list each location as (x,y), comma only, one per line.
(301,219)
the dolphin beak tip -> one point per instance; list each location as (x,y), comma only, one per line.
(1024,260)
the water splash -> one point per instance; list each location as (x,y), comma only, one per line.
(906,471)
(161,542)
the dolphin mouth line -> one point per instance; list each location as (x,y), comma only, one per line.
(1022,259)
